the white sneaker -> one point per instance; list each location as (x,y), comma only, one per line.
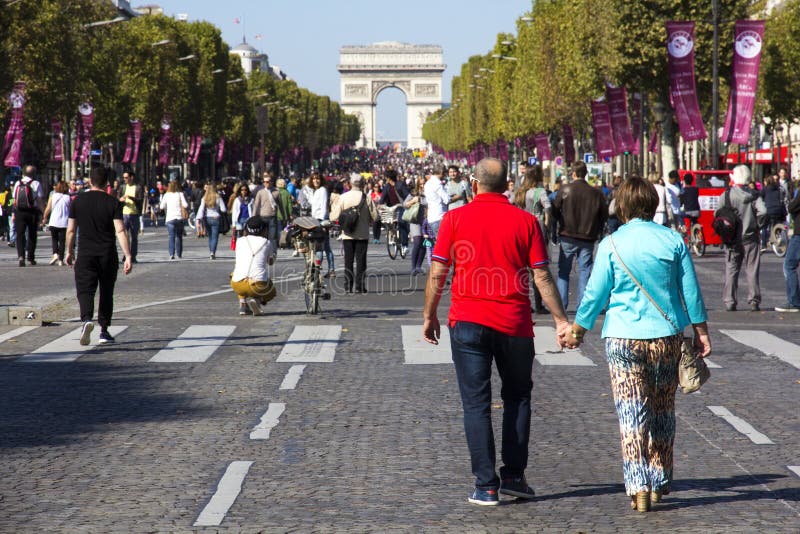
(254,307)
(86,333)
(405,251)
(54,259)
(295,253)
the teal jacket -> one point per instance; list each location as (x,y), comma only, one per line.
(660,259)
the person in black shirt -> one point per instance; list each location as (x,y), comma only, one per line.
(395,192)
(690,200)
(98,217)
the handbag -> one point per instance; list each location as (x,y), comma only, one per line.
(233,241)
(224,223)
(692,371)
(410,214)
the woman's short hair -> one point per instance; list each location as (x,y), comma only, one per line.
(636,199)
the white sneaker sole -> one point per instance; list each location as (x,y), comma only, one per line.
(483,503)
(254,307)
(86,334)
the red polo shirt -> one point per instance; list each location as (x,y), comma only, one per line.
(491,244)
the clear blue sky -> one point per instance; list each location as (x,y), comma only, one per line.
(303,37)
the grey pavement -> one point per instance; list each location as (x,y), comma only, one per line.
(115,443)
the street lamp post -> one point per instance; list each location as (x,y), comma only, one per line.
(715,87)
(659,114)
(779,138)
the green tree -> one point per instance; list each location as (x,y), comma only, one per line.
(781,81)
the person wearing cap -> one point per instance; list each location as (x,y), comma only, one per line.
(355,242)
(250,278)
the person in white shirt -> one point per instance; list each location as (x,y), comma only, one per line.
(437,199)
(175,204)
(27,215)
(250,278)
(673,188)
(319,210)
(212,209)
(663,211)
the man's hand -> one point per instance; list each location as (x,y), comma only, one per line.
(69,259)
(431,330)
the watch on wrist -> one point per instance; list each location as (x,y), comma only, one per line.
(576,336)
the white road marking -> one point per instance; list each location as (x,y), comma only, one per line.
(228,489)
(548,352)
(195,345)
(67,348)
(711,365)
(741,425)
(268,421)
(768,344)
(16,332)
(418,351)
(311,344)
(292,377)
(795,469)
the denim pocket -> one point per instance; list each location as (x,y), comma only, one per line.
(467,333)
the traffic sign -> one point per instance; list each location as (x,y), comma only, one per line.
(559,161)
(607,159)
(532,160)
(588,157)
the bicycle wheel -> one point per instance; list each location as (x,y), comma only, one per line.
(778,240)
(698,241)
(391,242)
(312,290)
(191,220)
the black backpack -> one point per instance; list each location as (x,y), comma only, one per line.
(348,218)
(24,198)
(727,223)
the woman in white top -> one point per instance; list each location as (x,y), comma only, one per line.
(250,279)
(241,209)
(56,216)
(172,201)
(663,213)
(212,208)
(319,210)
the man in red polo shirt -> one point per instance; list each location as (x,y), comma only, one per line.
(491,246)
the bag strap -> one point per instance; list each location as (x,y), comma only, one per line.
(639,285)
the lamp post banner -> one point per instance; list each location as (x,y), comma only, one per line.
(601,124)
(682,89)
(56,135)
(543,146)
(617,98)
(636,112)
(220,149)
(748,40)
(12,147)
(136,126)
(569,144)
(164,142)
(83,134)
(652,147)
(198,144)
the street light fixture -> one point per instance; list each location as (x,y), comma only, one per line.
(235,80)
(507,43)
(102,22)
(217,71)
(161,42)
(526,19)
(501,56)
(187,58)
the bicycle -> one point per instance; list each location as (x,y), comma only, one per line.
(335,232)
(308,237)
(389,220)
(778,239)
(693,236)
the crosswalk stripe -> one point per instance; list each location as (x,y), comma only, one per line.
(195,345)
(67,348)
(311,344)
(711,365)
(268,421)
(549,353)
(228,489)
(292,377)
(16,333)
(418,351)
(768,344)
(741,425)
(794,469)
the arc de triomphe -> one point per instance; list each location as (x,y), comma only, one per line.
(414,69)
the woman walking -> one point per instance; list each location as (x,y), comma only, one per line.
(212,208)
(643,347)
(532,197)
(56,217)
(174,204)
(416,196)
(375,196)
(241,207)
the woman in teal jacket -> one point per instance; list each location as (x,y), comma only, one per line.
(642,347)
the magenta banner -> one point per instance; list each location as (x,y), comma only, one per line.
(56,138)
(746,62)
(198,143)
(603,136)
(164,142)
(132,142)
(569,144)
(617,98)
(653,145)
(83,133)
(636,117)
(220,149)
(12,146)
(682,92)
(543,146)
(137,138)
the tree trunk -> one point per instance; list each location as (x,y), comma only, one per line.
(669,155)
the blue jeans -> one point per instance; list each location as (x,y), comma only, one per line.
(175,230)
(570,248)
(132,228)
(272,229)
(212,229)
(790,264)
(473,347)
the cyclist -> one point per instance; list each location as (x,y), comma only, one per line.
(394,192)
(776,208)
(690,200)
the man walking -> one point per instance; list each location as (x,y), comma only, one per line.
(98,217)
(791,262)
(437,199)
(745,251)
(355,241)
(265,204)
(27,214)
(581,212)
(458,190)
(490,318)
(132,199)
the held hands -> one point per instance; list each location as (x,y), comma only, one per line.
(569,336)
(431,330)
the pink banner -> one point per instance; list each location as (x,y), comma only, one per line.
(83,134)
(137,138)
(543,146)
(746,62)
(126,158)
(164,142)
(682,92)
(56,138)
(652,146)
(220,149)
(198,144)
(569,144)
(603,136)
(12,147)
(190,153)
(636,117)
(617,98)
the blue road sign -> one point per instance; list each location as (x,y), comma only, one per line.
(532,160)
(588,157)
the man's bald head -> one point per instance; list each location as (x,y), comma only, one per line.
(491,175)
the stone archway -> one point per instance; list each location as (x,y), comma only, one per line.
(414,69)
